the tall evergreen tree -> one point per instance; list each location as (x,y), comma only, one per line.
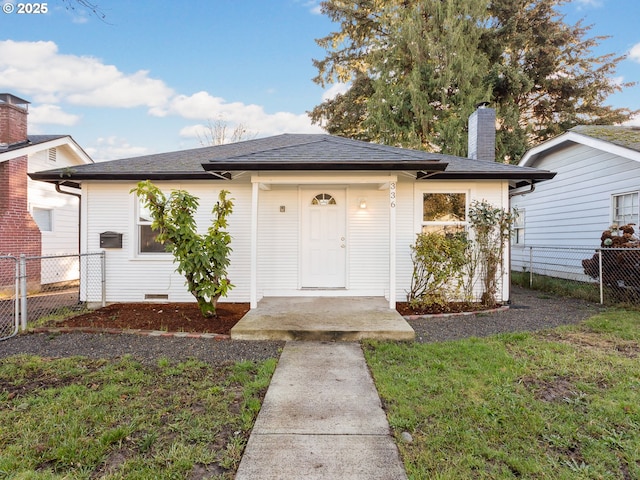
(429,77)
(418,67)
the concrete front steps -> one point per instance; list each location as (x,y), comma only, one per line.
(347,319)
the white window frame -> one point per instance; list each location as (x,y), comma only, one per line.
(139,223)
(633,206)
(441,225)
(517,237)
(36,217)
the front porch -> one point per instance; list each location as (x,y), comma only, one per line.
(323,319)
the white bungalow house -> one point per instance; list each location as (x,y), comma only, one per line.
(37,219)
(597,184)
(314,215)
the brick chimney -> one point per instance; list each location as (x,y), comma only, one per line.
(19,233)
(13,119)
(482,133)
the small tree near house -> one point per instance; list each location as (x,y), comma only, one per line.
(491,227)
(202,259)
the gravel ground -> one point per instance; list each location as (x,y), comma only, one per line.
(529,310)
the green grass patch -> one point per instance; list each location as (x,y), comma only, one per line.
(557,286)
(76,418)
(57,315)
(561,404)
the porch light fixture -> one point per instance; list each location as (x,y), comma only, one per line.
(363,203)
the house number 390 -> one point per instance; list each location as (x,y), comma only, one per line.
(392,194)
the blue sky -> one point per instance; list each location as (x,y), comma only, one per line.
(149,77)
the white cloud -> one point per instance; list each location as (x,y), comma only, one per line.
(336,89)
(314,6)
(203,106)
(50,80)
(51,115)
(589,3)
(634,53)
(634,122)
(37,69)
(109,148)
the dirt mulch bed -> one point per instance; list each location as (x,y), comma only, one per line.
(186,317)
(169,317)
(405,309)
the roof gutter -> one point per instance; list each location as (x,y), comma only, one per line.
(532,187)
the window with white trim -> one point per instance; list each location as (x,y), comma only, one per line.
(444,212)
(625,208)
(517,233)
(43,218)
(146,236)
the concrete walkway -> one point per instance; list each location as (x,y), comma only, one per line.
(321,419)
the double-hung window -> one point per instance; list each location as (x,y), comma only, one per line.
(517,237)
(146,236)
(444,212)
(625,208)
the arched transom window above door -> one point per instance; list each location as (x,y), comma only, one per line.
(323,199)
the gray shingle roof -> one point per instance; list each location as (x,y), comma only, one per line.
(628,137)
(32,140)
(304,152)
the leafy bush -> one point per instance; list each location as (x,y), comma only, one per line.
(438,261)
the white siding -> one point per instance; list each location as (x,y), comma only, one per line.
(278,239)
(110,207)
(368,240)
(63,238)
(406,231)
(130,276)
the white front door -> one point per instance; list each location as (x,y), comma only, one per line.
(323,238)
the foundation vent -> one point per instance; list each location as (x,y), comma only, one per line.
(156,296)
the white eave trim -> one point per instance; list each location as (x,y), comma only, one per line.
(569,138)
(58,142)
(313,178)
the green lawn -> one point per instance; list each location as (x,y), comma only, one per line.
(77,418)
(561,404)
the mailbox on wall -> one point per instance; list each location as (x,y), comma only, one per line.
(110,240)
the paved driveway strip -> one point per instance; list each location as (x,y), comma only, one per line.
(321,419)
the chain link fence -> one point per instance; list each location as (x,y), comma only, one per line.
(9,304)
(612,273)
(39,289)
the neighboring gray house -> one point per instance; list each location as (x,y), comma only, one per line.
(597,184)
(314,215)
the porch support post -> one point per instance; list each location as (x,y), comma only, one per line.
(254,245)
(393,182)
